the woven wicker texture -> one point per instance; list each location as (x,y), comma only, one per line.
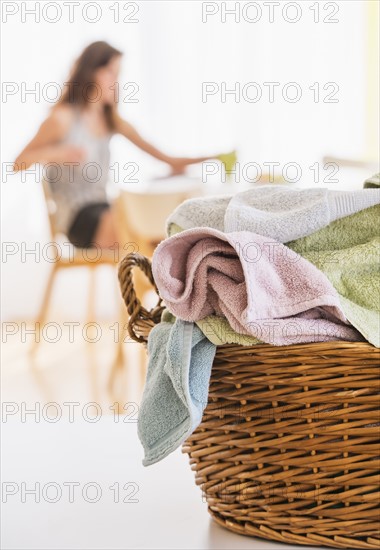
(288,447)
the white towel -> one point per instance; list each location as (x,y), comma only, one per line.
(280,212)
(200,212)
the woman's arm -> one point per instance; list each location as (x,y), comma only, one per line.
(177,164)
(45,146)
(127,130)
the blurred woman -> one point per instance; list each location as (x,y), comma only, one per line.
(74,144)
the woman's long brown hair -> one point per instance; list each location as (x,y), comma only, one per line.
(81,83)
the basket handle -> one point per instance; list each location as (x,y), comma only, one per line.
(141,321)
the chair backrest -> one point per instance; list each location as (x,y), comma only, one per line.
(51,207)
(75,258)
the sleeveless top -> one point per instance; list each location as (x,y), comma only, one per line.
(75,185)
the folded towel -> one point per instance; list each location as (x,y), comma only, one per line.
(199,212)
(176,388)
(347,252)
(277,211)
(286,214)
(263,288)
(219,332)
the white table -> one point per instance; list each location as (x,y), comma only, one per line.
(148,204)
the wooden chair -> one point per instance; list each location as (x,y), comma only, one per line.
(140,223)
(130,242)
(77,258)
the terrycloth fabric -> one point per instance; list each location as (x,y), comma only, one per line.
(176,388)
(286,214)
(200,212)
(262,288)
(347,251)
(174,229)
(219,332)
(276,211)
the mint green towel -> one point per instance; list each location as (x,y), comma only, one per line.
(348,253)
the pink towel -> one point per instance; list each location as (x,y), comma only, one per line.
(262,287)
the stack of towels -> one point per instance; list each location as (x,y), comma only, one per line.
(274,265)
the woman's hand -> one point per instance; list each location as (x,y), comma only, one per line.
(178,165)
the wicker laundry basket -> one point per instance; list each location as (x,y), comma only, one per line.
(288,447)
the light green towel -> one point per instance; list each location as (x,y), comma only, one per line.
(219,332)
(174,229)
(216,329)
(348,253)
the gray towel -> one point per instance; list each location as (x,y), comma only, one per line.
(276,211)
(200,212)
(176,388)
